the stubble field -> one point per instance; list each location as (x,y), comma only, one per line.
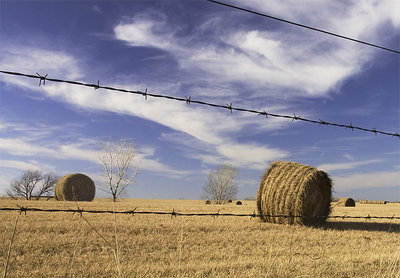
(68,245)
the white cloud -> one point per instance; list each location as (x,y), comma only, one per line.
(97,9)
(349,18)
(31,60)
(265,58)
(210,127)
(238,154)
(252,156)
(346,165)
(367,180)
(205,124)
(25,148)
(25,165)
(21,148)
(298,59)
(143,32)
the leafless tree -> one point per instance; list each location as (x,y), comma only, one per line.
(221,185)
(33,184)
(47,185)
(120,170)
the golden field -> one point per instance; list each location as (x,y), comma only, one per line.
(67,245)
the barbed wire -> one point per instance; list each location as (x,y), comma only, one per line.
(303,26)
(175,213)
(189,100)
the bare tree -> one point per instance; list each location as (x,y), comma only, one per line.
(47,185)
(118,165)
(33,184)
(221,185)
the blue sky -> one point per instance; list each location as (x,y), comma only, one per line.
(211,53)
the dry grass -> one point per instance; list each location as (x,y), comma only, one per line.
(64,245)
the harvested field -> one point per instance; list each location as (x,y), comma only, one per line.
(64,245)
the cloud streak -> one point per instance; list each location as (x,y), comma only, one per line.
(367,180)
(262,57)
(347,165)
(218,129)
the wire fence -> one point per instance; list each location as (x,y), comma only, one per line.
(113,245)
(303,26)
(175,213)
(189,100)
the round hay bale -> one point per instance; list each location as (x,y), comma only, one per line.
(346,202)
(239,203)
(373,202)
(293,193)
(208,202)
(75,187)
(230,201)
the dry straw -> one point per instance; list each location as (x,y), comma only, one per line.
(346,202)
(372,202)
(292,189)
(75,187)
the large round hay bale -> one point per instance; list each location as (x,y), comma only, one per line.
(346,202)
(75,187)
(296,193)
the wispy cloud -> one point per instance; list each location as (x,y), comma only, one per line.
(97,9)
(23,148)
(367,180)
(25,165)
(347,165)
(263,57)
(358,18)
(31,59)
(204,124)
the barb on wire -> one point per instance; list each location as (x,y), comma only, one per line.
(22,209)
(145,94)
(98,85)
(189,101)
(42,78)
(174,213)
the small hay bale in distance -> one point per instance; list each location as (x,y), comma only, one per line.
(372,202)
(293,193)
(208,202)
(230,201)
(75,187)
(239,203)
(346,202)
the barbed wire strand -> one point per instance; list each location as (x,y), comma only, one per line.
(10,247)
(174,213)
(303,26)
(189,100)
